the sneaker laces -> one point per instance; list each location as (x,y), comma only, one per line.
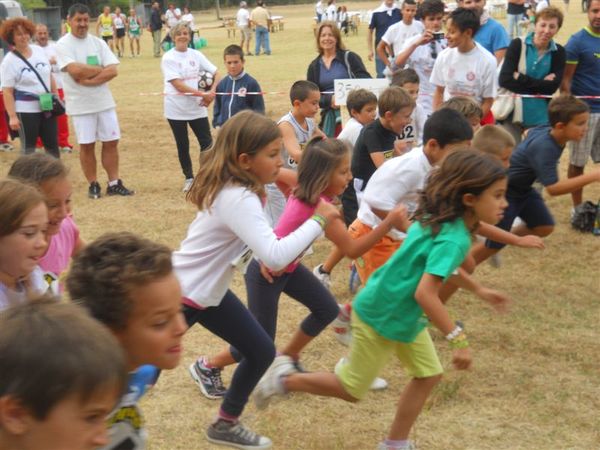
(244,433)
(215,379)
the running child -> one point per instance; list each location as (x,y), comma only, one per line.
(232,91)
(105,28)
(23,226)
(323,174)
(120,24)
(228,230)
(537,158)
(127,283)
(134,31)
(57,402)
(468,107)
(412,135)
(391,312)
(496,141)
(297,128)
(50,176)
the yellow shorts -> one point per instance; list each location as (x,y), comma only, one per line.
(369,352)
(377,255)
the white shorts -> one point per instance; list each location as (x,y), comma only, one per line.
(581,151)
(102,126)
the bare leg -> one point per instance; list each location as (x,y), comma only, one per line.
(112,45)
(299,340)
(334,257)
(137,46)
(131,45)
(110,159)
(411,403)
(221,359)
(87,159)
(576,196)
(541,231)
(319,383)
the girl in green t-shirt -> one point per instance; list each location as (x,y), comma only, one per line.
(389,313)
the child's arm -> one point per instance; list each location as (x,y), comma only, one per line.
(569,185)
(290,142)
(337,233)
(486,106)
(438,97)
(499,235)
(286,181)
(496,299)
(404,55)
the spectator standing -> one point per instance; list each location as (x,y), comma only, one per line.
(582,78)
(88,66)
(385,15)
(515,12)
(261,20)
(120,23)
(319,11)
(49,47)
(188,18)
(155,27)
(491,35)
(172,16)
(243,23)
(331,11)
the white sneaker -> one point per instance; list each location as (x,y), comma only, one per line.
(271,382)
(323,277)
(378,383)
(6,147)
(410,445)
(187,185)
(344,337)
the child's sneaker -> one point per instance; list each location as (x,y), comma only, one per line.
(341,325)
(234,434)
(187,185)
(271,383)
(323,277)
(208,379)
(410,445)
(354,281)
(94,191)
(378,384)
(119,189)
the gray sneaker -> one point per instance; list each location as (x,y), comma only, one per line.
(271,382)
(234,434)
(208,379)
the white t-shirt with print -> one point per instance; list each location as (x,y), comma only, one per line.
(243,18)
(119,20)
(398,33)
(50,51)
(413,132)
(85,99)
(15,74)
(471,74)
(171,17)
(186,67)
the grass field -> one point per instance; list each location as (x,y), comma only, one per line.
(535,380)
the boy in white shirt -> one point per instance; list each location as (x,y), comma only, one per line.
(412,135)
(396,35)
(465,67)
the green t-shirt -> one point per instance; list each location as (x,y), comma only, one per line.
(387,302)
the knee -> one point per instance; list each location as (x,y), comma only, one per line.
(544,230)
(469,264)
(430,382)
(331,312)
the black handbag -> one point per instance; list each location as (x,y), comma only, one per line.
(58,107)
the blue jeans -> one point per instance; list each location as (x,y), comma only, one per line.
(512,24)
(379,67)
(262,36)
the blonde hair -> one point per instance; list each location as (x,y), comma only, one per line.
(464,105)
(17,200)
(492,139)
(246,132)
(320,159)
(393,99)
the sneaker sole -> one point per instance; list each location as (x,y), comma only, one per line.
(199,383)
(240,446)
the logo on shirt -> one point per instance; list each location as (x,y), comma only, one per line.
(242,92)
(470,76)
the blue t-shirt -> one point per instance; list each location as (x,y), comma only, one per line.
(381,21)
(492,36)
(583,49)
(337,71)
(536,157)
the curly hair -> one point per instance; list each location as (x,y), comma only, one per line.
(105,272)
(464,171)
(8,28)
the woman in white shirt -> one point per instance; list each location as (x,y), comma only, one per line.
(25,96)
(184,103)
(188,18)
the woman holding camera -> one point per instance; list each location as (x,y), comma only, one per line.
(24,87)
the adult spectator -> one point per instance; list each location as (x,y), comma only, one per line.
(331,11)
(181,67)
(385,15)
(172,16)
(319,11)
(243,23)
(120,23)
(515,12)
(105,28)
(334,62)
(188,18)
(22,88)
(88,66)
(261,19)
(544,68)
(49,47)
(582,77)
(155,27)
(491,35)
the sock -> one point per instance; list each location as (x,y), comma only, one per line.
(222,415)
(321,270)
(113,182)
(205,363)
(396,444)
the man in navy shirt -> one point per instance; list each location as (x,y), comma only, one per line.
(387,14)
(582,77)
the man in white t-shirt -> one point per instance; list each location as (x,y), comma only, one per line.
(393,40)
(49,47)
(88,65)
(465,68)
(243,23)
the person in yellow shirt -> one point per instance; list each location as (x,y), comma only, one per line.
(260,19)
(105,28)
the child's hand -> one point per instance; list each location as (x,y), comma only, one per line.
(400,147)
(497,300)
(398,218)
(461,358)
(327,210)
(208,97)
(531,241)
(268,274)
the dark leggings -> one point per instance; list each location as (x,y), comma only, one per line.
(201,129)
(301,285)
(34,125)
(232,322)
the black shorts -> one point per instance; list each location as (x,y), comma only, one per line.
(107,38)
(120,32)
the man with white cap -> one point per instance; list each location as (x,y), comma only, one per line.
(243,23)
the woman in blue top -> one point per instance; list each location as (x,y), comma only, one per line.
(544,68)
